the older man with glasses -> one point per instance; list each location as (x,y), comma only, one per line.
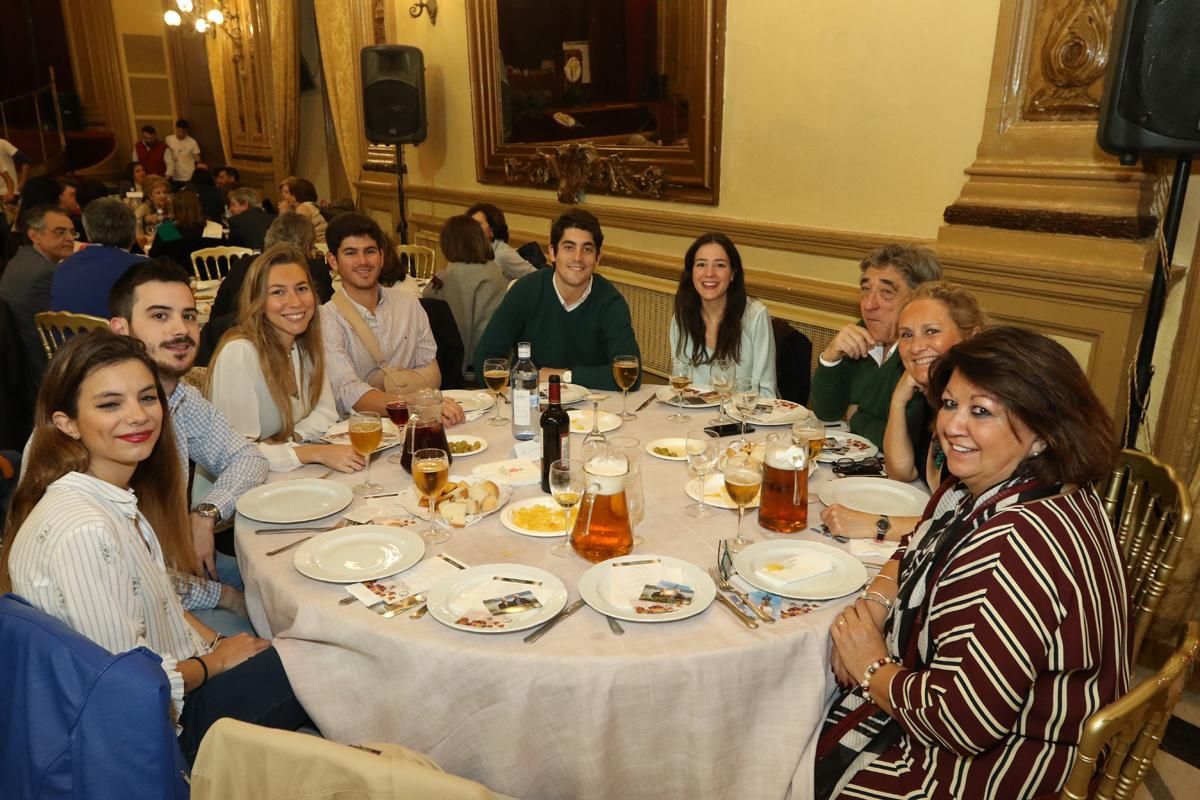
(26,281)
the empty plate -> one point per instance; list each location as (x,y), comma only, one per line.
(581,420)
(358,553)
(875,496)
(299,500)
(471,401)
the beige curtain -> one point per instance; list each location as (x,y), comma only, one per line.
(218,51)
(283,23)
(339,61)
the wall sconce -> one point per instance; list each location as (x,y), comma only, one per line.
(424,5)
(195,18)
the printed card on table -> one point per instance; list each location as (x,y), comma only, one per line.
(663,598)
(420,578)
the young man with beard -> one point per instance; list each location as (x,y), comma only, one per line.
(153,302)
(861,366)
(364,315)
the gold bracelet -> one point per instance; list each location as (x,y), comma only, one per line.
(887,578)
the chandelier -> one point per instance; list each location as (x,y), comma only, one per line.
(206,17)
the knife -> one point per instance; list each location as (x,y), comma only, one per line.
(559,617)
(646,402)
(297,530)
(287,547)
(749,622)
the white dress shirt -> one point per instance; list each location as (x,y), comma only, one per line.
(239,391)
(185,153)
(87,556)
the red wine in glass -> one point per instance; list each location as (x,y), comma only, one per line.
(397,411)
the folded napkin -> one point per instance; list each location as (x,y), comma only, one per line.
(870,550)
(625,583)
(799,567)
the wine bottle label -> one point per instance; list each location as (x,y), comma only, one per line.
(564,445)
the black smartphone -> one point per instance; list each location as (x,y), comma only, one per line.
(729,429)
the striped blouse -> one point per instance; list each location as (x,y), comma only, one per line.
(1028,632)
(87,556)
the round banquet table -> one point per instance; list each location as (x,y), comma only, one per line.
(702,707)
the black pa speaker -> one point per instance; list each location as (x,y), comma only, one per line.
(1151,103)
(393,80)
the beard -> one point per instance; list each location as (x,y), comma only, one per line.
(172,370)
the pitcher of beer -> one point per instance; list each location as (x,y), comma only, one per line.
(424,427)
(635,496)
(784,504)
(602,528)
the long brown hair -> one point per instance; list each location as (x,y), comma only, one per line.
(689,317)
(158,481)
(189,216)
(275,360)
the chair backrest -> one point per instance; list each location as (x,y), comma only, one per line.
(1150,511)
(793,352)
(417,259)
(1130,729)
(55,326)
(212,263)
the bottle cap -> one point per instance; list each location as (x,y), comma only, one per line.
(524,350)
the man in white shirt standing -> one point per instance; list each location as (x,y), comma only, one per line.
(365,316)
(185,152)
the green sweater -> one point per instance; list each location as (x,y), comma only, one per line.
(861,381)
(584,340)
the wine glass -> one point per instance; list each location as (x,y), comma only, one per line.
(701,447)
(595,436)
(495,377)
(366,431)
(745,399)
(810,432)
(743,480)
(722,375)
(566,485)
(397,411)
(681,377)
(625,372)
(430,471)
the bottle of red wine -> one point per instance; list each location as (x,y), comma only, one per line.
(556,432)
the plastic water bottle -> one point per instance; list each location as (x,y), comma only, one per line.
(525,417)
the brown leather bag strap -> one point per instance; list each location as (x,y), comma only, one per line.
(392,379)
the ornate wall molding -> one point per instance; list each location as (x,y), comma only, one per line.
(1074,38)
(575,168)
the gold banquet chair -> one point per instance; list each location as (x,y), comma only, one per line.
(213,263)
(1150,511)
(54,327)
(1130,729)
(419,260)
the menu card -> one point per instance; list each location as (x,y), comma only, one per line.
(420,578)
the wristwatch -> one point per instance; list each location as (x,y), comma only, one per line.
(882,526)
(208,511)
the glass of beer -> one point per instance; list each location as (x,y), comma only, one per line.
(566,486)
(722,375)
(743,479)
(495,377)
(681,378)
(784,505)
(602,528)
(366,431)
(625,373)
(810,433)
(431,470)
(701,448)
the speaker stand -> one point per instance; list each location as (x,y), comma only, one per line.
(1143,367)
(401,170)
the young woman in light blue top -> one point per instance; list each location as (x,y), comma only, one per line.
(715,319)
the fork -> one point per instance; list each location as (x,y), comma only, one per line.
(725,585)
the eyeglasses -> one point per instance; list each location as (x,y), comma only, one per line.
(64,232)
(865,466)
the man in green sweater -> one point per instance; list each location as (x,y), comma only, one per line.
(860,367)
(576,320)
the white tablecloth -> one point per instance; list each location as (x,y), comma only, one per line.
(702,708)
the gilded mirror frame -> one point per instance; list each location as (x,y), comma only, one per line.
(685,174)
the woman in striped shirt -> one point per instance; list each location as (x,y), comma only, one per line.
(81,541)
(972,662)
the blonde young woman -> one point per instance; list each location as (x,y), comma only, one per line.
(938,316)
(268,374)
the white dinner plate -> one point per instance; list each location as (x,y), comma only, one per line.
(446,606)
(358,553)
(676,447)
(471,400)
(581,420)
(875,496)
(840,444)
(594,588)
(410,498)
(569,394)
(339,433)
(478,442)
(691,397)
(714,492)
(772,411)
(299,500)
(506,517)
(848,574)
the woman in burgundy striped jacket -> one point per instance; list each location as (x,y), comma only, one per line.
(973,660)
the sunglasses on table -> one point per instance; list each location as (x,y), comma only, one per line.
(846,467)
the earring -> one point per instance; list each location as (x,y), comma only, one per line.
(1037,452)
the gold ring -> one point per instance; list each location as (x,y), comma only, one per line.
(842,621)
